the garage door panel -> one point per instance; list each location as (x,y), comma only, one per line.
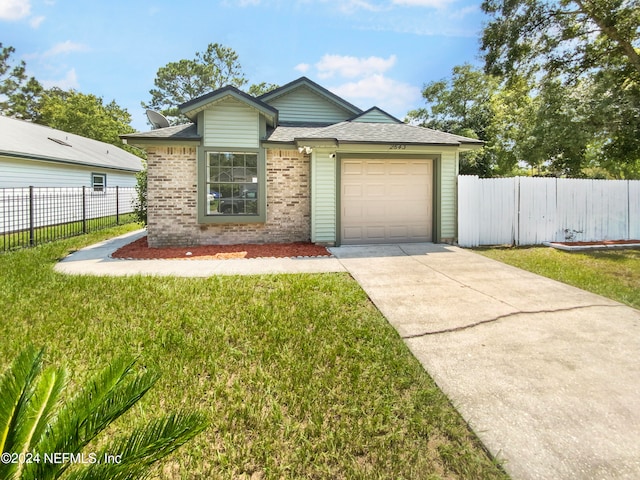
(352,168)
(386,201)
(375,190)
(375,167)
(397,232)
(376,232)
(351,234)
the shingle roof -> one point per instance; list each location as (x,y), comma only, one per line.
(22,139)
(187,131)
(361,132)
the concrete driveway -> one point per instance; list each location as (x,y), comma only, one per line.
(547,375)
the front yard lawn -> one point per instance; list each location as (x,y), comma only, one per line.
(612,273)
(299,375)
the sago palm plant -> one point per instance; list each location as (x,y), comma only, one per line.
(44,437)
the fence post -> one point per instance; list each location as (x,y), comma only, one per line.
(32,239)
(84,209)
(117,205)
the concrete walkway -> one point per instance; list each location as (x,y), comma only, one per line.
(96,260)
(547,375)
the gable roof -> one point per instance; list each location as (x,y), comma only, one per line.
(193,107)
(367,132)
(22,139)
(376,115)
(304,82)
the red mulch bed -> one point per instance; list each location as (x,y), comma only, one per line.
(140,250)
(603,242)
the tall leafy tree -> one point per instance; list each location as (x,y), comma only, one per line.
(19,93)
(184,80)
(462,105)
(588,46)
(84,114)
(569,36)
(261,88)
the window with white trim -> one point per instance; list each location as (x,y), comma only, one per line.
(98,182)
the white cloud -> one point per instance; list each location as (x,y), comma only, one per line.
(69,81)
(35,22)
(65,47)
(351,67)
(366,81)
(379,90)
(14,9)
(302,67)
(350,6)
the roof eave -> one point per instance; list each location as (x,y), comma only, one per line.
(44,158)
(160,141)
(319,89)
(191,108)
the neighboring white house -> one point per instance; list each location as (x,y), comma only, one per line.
(39,156)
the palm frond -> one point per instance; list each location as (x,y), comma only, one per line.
(16,389)
(146,445)
(106,397)
(38,411)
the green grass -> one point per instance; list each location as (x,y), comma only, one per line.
(612,273)
(299,375)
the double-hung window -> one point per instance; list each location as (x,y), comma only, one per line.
(98,182)
(234,183)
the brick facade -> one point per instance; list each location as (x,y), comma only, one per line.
(172,209)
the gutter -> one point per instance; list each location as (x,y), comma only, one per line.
(44,158)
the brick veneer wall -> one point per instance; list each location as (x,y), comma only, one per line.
(172,194)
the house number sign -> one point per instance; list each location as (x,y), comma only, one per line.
(398,146)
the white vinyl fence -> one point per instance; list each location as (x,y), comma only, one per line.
(531,210)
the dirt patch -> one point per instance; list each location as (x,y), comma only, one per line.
(140,250)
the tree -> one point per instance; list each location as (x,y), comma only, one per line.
(140,203)
(179,82)
(86,115)
(19,93)
(36,420)
(566,36)
(461,105)
(258,89)
(585,46)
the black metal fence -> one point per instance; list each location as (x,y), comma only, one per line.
(33,215)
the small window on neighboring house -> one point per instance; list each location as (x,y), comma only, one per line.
(98,182)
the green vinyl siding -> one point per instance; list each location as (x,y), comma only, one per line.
(323,198)
(231,124)
(375,116)
(448,171)
(302,105)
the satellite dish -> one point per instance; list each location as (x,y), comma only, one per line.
(157,119)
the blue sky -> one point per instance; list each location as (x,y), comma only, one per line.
(370,52)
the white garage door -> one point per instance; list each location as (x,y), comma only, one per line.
(386,201)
